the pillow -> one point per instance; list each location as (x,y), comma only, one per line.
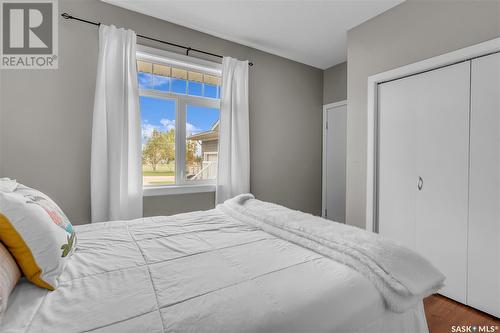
(9,275)
(7,185)
(37,233)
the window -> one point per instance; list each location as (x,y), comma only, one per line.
(180,109)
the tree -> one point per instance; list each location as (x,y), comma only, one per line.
(170,145)
(191,153)
(160,148)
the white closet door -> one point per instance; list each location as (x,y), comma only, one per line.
(397,160)
(423,143)
(443,166)
(484,219)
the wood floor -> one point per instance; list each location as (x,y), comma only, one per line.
(442,313)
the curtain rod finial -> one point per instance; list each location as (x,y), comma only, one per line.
(66,16)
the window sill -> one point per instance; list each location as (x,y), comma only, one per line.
(177,189)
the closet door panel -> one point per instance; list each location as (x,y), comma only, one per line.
(484,218)
(424,133)
(397,161)
(442,173)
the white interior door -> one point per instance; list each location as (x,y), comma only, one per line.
(423,168)
(334,163)
(484,216)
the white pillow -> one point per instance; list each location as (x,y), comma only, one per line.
(7,185)
(37,234)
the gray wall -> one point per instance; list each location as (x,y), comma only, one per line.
(1,126)
(47,118)
(335,83)
(174,204)
(412,31)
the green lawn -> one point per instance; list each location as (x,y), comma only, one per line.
(163,175)
(161,170)
(166,182)
(158,173)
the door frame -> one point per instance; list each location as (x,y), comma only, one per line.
(447,59)
(326,107)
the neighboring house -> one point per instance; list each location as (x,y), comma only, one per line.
(209,141)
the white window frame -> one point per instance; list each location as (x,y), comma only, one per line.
(157,56)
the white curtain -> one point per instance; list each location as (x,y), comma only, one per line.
(233,176)
(116,176)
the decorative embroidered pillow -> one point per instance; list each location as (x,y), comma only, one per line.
(37,234)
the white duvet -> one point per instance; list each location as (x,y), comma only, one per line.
(402,276)
(202,272)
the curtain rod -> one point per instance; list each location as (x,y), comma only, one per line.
(187,48)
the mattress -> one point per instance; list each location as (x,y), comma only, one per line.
(201,272)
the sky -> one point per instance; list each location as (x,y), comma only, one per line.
(159,113)
(179,86)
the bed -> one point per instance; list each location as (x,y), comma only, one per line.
(210,271)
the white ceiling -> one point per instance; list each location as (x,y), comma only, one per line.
(307,31)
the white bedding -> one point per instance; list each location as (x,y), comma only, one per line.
(402,276)
(201,272)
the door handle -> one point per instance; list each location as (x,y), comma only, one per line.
(420,183)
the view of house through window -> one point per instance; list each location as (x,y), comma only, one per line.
(180,124)
(202,129)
